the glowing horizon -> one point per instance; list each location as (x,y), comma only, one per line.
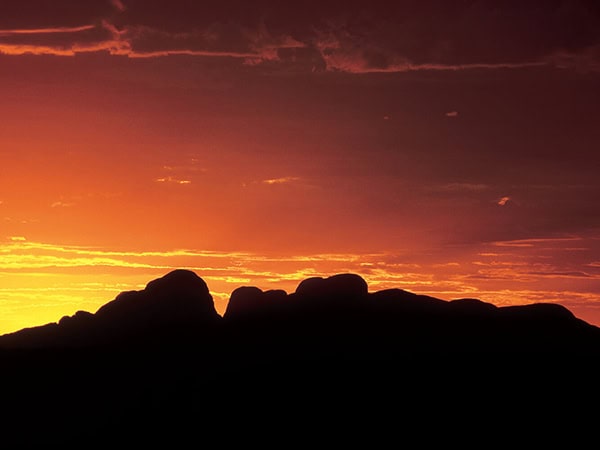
(42,282)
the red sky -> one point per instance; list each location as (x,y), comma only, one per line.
(446,148)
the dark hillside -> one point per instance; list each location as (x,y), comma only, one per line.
(330,360)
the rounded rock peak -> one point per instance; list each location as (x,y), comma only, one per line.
(346,285)
(181,289)
(178,296)
(246,292)
(178,281)
(244,299)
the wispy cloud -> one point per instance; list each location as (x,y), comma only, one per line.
(61,204)
(524,273)
(329,39)
(181,172)
(558,274)
(503,201)
(358,65)
(281,180)
(42,31)
(63,41)
(19,254)
(532,242)
(171,179)
(46,273)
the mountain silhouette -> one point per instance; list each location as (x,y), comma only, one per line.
(161,365)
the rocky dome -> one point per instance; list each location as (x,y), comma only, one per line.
(179,296)
(338,287)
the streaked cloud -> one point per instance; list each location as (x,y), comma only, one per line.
(343,58)
(63,41)
(282,180)
(558,274)
(536,242)
(20,261)
(192,167)
(173,180)
(182,172)
(41,31)
(49,276)
(523,273)
(334,39)
(61,204)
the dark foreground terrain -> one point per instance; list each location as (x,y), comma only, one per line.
(329,365)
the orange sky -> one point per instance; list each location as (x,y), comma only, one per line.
(451,154)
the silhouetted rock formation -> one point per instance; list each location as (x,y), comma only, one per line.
(249,300)
(180,296)
(172,307)
(179,306)
(344,287)
(162,364)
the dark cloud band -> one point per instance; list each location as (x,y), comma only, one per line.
(349,37)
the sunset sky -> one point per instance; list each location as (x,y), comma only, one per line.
(449,148)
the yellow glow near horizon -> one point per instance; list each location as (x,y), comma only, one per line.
(42,282)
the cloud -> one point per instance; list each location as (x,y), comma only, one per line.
(503,201)
(354,54)
(47,274)
(43,31)
(452,114)
(282,180)
(62,41)
(554,241)
(316,36)
(181,172)
(524,272)
(558,274)
(220,39)
(174,180)
(62,204)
